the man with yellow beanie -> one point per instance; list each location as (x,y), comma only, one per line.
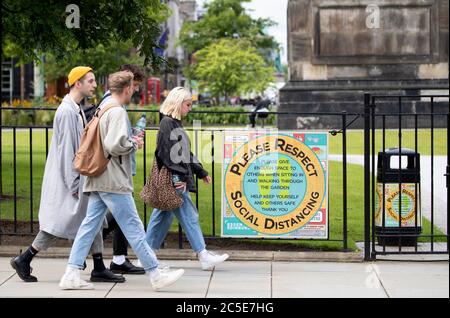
(77,73)
(63,204)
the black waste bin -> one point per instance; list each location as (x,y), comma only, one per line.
(389,178)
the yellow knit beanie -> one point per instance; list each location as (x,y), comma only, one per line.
(76,73)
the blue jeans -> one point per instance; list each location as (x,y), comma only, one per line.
(123,209)
(187,215)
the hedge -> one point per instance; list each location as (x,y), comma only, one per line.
(45,118)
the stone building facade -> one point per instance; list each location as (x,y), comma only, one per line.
(340,49)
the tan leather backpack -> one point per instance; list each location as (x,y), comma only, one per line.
(90,159)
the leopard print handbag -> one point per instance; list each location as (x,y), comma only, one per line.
(159,191)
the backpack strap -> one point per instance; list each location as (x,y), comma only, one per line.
(89,112)
(99,112)
(103,98)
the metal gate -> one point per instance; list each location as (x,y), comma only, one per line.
(410,133)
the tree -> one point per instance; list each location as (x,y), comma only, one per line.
(31,28)
(104,59)
(226,19)
(231,67)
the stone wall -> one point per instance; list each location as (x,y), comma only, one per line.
(339,49)
(332,40)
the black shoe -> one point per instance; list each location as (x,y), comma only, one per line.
(23,269)
(106,276)
(126,268)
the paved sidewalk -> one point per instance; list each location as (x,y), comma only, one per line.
(249,279)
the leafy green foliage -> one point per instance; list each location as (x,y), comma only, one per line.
(226,19)
(231,67)
(104,59)
(31,28)
(230,50)
(232,118)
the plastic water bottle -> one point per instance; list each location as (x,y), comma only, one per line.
(140,125)
(175,179)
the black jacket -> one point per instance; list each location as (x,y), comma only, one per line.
(173,144)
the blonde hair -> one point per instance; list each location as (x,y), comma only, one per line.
(172,104)
(119,80)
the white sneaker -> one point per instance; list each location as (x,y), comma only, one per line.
(208,260)
(165,278)
(161,265)
(71,280)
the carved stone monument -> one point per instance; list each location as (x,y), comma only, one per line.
(340,49)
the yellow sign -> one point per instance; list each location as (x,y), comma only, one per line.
(275,184)
(392,204)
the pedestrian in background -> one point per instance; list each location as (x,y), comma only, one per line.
(260,110)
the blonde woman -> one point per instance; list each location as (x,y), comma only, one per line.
(173,150)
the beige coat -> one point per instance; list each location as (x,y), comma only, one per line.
(117,142)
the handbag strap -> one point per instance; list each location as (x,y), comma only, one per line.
(158,161)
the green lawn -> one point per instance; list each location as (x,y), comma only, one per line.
(355,181)
(355,141)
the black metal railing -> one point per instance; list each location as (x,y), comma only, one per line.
(383,112)
(346,120)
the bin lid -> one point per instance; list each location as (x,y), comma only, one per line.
(396,151)
(413,163)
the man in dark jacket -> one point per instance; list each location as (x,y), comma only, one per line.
(261,105)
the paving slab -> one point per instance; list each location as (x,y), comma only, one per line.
(288,267)
(311,280)
(241,279)
(48,272)
(412,268)
(417,293)
(414,279)
(4,276)
(6,272)
(193,284)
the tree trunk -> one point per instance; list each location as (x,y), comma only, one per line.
(22,82)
